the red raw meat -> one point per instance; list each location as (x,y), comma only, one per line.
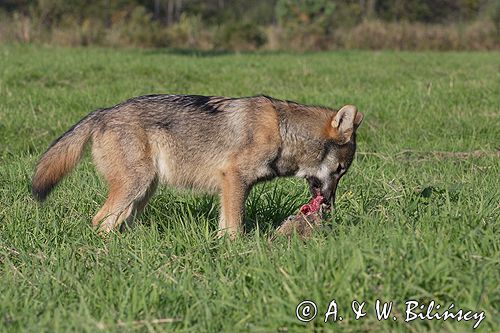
(313,206)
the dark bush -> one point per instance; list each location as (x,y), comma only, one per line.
(240,37)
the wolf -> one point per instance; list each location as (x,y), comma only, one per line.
(216,144)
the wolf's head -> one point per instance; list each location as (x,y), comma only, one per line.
(338,153)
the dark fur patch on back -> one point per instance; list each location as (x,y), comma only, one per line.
(201,103)
(164,124)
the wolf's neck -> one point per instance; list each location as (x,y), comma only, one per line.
(302,142)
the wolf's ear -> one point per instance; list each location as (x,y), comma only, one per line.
(345,122)
(358,119)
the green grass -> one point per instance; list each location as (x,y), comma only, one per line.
(410,223)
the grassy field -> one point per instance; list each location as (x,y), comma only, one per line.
(416,217)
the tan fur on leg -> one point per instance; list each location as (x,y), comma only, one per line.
(130,174)
(233,195)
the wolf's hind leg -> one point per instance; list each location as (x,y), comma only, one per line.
(140,204)
(124,202)
(124,158)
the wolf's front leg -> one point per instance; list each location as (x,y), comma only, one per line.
(232,198)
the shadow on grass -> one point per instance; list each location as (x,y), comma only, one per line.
(269,205)
(212,53)
(266,208)
(167,209)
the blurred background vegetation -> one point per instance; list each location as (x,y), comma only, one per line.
(245,25)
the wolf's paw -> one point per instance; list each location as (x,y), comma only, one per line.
(231,233)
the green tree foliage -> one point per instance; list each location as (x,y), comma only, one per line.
(321,14)
(297,14)
(243,24)
(429,11)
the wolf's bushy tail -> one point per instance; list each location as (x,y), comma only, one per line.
(61,157)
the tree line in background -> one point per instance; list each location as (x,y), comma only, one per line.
(256,24)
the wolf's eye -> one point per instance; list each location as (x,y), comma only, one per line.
(340,170)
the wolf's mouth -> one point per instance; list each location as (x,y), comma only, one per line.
(315,188)
(314,185)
